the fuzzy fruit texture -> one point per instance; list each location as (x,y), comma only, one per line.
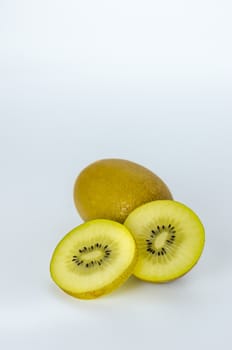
(113,188)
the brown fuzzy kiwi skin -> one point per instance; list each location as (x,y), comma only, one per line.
(108,288)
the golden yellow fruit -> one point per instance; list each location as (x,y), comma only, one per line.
(112,188)
(94,259)
(170,239)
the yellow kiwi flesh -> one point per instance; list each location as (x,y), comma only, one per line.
(170,238)
(93,259)
(112,188)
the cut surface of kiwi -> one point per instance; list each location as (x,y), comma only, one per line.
(170,239)
(93,259)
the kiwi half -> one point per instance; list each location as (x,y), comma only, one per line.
(170,239)
(93,259)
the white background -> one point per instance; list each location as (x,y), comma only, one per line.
(149,81)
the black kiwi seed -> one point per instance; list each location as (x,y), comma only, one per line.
(160,229)
(169,241)
(91,263)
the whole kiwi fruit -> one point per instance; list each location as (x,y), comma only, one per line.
(112,188)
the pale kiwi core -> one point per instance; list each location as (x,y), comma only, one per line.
(112,188)
(160,240)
